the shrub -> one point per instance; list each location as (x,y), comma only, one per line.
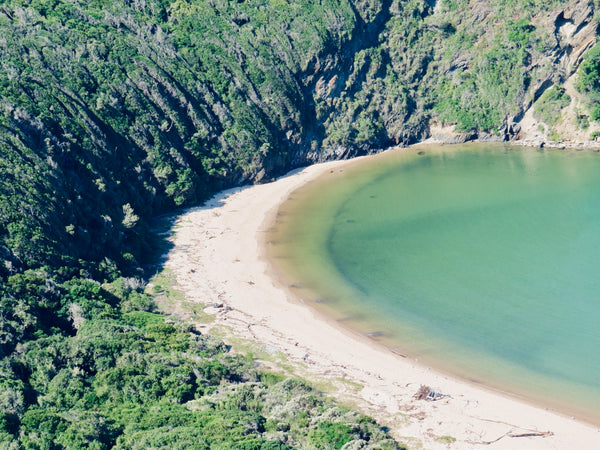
(548,107)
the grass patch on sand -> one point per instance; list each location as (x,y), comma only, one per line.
(170,300)
(445,440)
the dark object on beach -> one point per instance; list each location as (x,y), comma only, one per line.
(421,153)
(433,396)
(426,393)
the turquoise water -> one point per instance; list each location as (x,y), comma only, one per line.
(484,260)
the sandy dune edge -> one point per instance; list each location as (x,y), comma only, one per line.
(217,261)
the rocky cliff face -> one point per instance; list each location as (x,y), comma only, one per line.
(575,32)
(472,69)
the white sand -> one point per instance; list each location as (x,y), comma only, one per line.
(217,261)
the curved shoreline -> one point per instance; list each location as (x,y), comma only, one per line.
(219,261)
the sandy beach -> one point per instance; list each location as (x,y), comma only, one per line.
(218,260)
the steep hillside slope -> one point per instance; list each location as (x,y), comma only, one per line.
(112,112)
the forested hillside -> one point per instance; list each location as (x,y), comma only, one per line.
(113,112)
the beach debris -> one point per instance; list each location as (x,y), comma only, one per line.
(221,307)
(511,434)
(532,434)
(427,393)
(515,431)
(422,393)
(421,415)
(434,396)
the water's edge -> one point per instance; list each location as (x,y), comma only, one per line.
(321,298)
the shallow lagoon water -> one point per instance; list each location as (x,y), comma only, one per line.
(480,260)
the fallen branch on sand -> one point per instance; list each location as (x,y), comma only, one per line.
(536,434)
(422,393)
(510,434)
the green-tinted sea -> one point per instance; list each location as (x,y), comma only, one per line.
(480,260)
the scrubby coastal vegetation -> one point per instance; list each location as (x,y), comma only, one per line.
(112,113)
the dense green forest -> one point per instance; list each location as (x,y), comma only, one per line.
(113,112)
